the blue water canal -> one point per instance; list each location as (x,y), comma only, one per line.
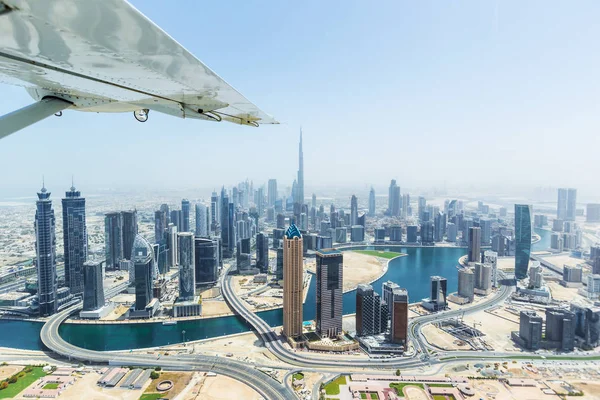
(411,271)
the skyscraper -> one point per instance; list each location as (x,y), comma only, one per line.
(187,265)
(387,294)
(329,292)
(421,206)
(293,282)
(474,244)
(113,239)
(172,252)
(165,208)
(566,208)
(398,309)
(45,250)
(207,261)
(439,223)
(560,327)
(272,192)
(143,258)
(160,226)
(486,231)
(466,283)
(214,211)
(185,215)
(483,278)
(353,210)
(201,220)
(372,202)
(439,290)
(262,252)
(300,183)
(93,287)
(368,311)
(571,204)
(176,219)
(75,239)
(130,229)
(522,239)
(394,199)
(592,213)
(260,201)
(427,232)
(227,233)
(530,329)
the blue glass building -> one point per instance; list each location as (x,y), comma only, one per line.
(522,239)
(75,239)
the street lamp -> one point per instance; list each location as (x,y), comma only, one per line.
(183,333)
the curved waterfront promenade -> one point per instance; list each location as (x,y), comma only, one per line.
(263,384)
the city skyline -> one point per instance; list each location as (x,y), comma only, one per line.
(446,232)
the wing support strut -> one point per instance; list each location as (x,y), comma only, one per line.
(29,115)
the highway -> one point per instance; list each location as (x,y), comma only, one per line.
(268,387)
(415,326)
(275,344)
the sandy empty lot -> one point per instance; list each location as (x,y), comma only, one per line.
(358,268)
(214,307)
(7,371)
(497,330)
(443,340)
(224,388)
(561,293)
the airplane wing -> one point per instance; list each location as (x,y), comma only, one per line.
(106,56)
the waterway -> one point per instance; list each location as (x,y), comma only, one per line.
(411,272)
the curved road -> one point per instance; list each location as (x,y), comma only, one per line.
(275,344)
(263,384)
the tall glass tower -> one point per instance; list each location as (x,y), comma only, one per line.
(113,239)
(353,210)
(130,230)
(201,220)
(522,239)
(45,248)
(185,215)
(75,239)
(372,203)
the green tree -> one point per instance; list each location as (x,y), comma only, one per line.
(154,375)
(12,379)
(3,385)
(397,372)
(157,368)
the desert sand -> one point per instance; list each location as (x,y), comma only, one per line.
(358,268)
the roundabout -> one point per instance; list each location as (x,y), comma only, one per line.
(164,386)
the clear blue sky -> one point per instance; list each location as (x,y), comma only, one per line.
(420,91)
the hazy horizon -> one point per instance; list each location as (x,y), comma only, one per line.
(494,95)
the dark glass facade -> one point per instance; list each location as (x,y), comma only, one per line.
(45,246)
(74,239)
(93,289)
(113,239)
(329,292)
(522,239)
(207,261)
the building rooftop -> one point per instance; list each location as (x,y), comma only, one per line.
(329,252)
(293,232)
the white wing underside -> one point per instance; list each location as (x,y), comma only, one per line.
(106,56)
